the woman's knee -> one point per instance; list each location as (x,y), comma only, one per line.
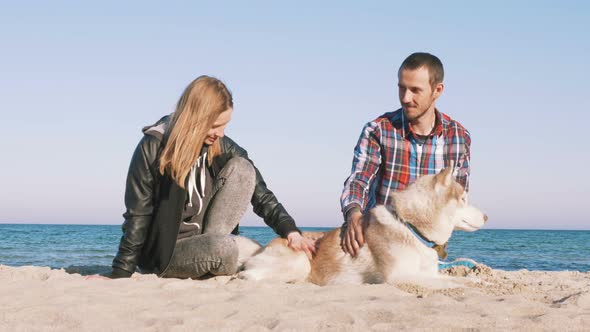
(240,168)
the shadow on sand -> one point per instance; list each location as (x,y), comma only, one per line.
(88,269)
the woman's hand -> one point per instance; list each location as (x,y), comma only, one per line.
(297,242)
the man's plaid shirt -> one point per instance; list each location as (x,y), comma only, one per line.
(389,156)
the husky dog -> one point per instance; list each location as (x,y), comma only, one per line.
(426,211)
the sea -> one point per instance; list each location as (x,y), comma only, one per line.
(89,249)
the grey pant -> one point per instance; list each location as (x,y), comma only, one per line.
(215,251)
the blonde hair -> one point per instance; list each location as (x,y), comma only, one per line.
(203,100)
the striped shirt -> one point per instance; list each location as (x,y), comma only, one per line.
(389,156)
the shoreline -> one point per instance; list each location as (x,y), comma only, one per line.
(478,298)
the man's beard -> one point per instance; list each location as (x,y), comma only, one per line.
(416,113)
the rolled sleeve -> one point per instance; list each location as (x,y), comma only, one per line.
(365,165)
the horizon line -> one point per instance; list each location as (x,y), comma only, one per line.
(331,227)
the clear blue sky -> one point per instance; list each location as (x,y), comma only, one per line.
(78,81)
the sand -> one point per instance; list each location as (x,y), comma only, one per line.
(41,299)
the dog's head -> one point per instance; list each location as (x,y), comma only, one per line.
(435,205)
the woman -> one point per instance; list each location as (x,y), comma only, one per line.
(187,188)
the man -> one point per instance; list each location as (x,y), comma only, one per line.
(397,147)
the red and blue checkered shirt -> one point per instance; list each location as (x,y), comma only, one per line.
(389,156)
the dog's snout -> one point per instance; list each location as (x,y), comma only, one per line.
(485,218)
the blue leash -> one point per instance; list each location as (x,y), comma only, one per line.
(457,262)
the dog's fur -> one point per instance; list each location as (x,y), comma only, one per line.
(434,205)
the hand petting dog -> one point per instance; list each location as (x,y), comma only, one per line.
(297,242)
(352,238)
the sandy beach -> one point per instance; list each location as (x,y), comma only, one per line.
(38,298)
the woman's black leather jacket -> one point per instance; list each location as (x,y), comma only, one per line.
(155,202)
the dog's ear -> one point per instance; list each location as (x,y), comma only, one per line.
(445,176)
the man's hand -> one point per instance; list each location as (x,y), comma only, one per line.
(352,238)
(297,242)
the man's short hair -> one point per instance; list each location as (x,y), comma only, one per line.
(431,62)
